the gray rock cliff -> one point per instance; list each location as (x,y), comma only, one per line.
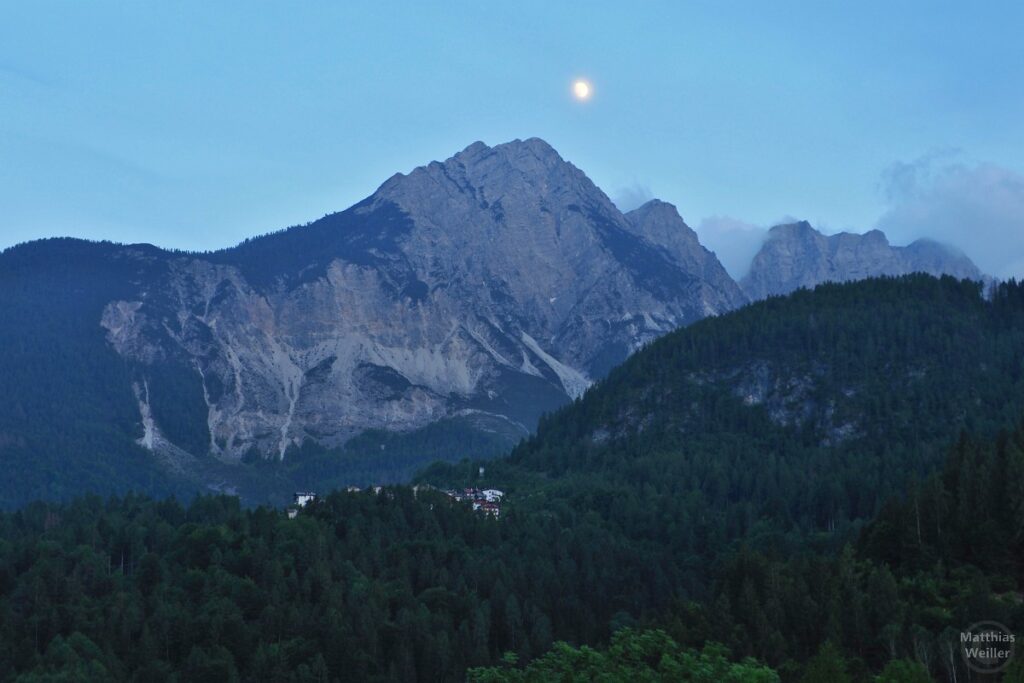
(796,255)
(490,287)
(660,224)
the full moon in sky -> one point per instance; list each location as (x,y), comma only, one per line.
(581,89)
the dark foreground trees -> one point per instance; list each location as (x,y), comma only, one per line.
(403,587)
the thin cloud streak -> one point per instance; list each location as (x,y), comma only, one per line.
(978,208)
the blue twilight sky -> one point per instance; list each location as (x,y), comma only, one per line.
(196,124)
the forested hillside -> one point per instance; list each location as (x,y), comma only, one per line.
(831,483)
(66,403)
(402,587)
(810,409)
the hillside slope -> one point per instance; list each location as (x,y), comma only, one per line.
(810,409)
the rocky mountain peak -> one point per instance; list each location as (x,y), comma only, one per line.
(659,223)
(797,255)
(658,211)
(486,288)
(515,182)
(513,152)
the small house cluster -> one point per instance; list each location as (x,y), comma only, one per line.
(356,489)
(487,501)
(301,500)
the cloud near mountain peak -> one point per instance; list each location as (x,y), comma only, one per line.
(978,208)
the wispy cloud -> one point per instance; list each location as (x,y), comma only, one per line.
(735,242)
(978,208)
(10,71)
(629,198)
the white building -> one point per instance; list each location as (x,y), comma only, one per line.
(304,497)
(493,495)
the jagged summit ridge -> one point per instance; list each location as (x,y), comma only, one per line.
(797,255)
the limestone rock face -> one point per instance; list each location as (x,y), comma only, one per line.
(660,223)
(490,287)
(796,255)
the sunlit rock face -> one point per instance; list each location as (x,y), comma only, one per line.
(796,255)
(493,286)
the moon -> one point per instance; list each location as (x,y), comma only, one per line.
(581,89)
